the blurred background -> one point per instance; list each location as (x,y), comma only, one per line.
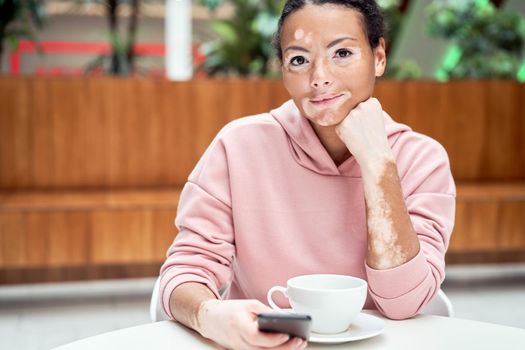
(106,106)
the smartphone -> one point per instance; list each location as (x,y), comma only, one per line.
(295,325)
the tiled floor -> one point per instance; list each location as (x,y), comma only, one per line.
(44,316)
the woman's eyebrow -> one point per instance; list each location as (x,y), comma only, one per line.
(333,43)
(298,48)
(337,41)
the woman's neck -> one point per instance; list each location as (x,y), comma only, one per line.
(332,143)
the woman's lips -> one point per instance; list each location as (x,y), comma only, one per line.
(325,101)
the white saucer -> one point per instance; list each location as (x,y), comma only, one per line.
(365,326)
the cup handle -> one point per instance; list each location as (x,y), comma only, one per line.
(269,296)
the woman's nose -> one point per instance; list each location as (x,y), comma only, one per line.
(321,77)
(320,83)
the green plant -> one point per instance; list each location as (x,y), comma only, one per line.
(19,19)
(490,40)
(407,69)
(122,59)
(244,44)
(393,18)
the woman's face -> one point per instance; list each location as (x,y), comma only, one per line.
(328,65)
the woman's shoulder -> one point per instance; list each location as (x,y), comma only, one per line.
(253,126)
(412,142)
(404,140)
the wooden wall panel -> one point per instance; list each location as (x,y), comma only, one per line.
(391,95)
(68,233)
(66,130)
(504,145)
(77,156)
(43,238)
(511,226)
(489,226)
(476,227)
(37,239)
(104,132)
(122,236)
(489,218)
(163,233)
(177,138)
(450,113)
(17,275)
(520,122)
(41,155)
(131,228)
(13,238)
(96,133)
(203,100)
(15,124)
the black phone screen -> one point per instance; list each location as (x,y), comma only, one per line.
(293,324)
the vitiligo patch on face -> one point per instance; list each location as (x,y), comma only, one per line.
(326,118)
(326,115)
(356,53)
(308,38)
(299,34)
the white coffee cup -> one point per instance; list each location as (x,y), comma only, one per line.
(333,301)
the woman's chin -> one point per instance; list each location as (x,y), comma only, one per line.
(329,118)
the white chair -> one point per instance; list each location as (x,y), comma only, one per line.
(439,306)
(156,313)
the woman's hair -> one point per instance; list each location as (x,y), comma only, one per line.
(373,25)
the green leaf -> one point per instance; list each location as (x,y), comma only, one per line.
(226,30)
(12,42)
(36,10)
(265,23)
(117,43)
(491,40)
(256,66)
(211,4)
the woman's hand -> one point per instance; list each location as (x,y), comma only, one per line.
(363,132)
(232,324)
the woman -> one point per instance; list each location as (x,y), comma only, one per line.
(326,183)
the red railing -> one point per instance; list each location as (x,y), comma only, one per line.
(90,48)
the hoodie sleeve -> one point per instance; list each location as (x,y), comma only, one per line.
(429,192)
(204,247)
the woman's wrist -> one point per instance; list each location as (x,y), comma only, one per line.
(374,165)
(203,313)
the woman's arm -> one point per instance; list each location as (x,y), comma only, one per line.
(186,301)
(392,240)
(199,263)
(407,236)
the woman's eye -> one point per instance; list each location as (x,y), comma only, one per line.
(297,61)
(342,53)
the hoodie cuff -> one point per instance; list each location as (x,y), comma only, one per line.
(177,281)
(398,281)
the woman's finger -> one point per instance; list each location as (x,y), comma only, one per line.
(251,334)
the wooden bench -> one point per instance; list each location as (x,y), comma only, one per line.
(91,169)
(490,223)
(73,234)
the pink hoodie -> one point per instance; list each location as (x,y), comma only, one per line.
(266,202)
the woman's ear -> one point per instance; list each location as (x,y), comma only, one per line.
(380,58)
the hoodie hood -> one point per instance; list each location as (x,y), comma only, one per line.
(308,150)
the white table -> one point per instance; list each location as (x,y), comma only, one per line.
(422,332)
